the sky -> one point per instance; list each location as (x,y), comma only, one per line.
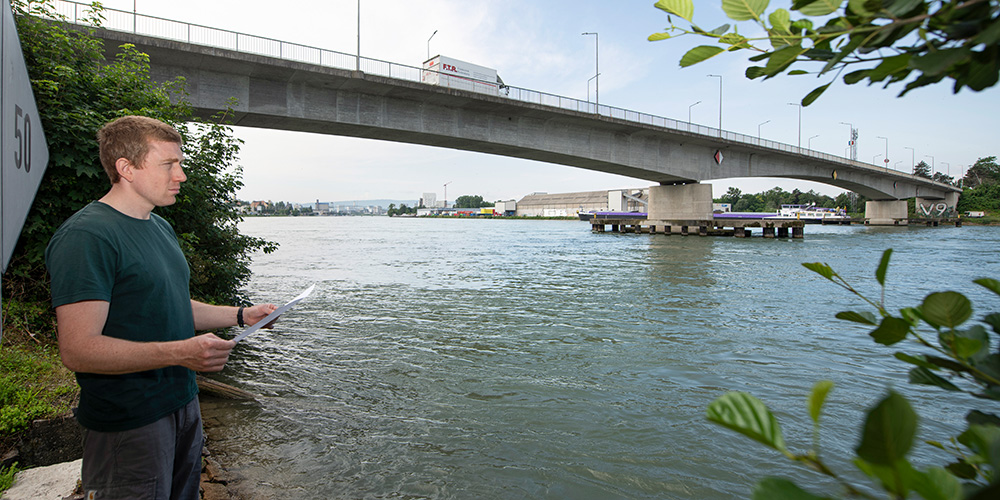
(539,45)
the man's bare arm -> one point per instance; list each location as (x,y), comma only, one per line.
(83,348)
(209,317)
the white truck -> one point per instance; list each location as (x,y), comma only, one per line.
(455,74)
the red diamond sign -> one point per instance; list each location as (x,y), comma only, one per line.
(718,157)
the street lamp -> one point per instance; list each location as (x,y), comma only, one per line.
(932,163)
(913,156)
(597,69)
(588,87)
(895,166)
(810,141)
(948,167)
(429,47)
(446,192)
(758,128)
(689,111)
(800,120)
(720,100)
(886,151)
(876,157)
(357,64)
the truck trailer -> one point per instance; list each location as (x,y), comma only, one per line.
(455,74)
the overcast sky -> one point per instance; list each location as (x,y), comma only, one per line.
(538,45)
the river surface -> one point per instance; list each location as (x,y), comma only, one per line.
(509,359)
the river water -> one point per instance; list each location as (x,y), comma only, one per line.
(508,359)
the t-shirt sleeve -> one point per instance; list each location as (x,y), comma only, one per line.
(81,266)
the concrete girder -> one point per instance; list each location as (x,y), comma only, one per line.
(289,95)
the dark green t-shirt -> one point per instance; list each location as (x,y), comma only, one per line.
(136,266)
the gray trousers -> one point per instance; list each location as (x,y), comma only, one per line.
(159,461)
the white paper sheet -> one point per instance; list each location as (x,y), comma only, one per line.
(274,315)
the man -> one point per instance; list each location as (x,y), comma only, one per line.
(126,322)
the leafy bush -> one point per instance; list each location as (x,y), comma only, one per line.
(954,356)
(78,91)
(7,476)
(33,384)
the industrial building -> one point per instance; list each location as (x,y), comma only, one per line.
(571,204)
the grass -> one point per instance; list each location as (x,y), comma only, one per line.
(33,381)
(7,476)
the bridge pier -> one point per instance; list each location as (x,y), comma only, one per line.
(886,213)
(680,201)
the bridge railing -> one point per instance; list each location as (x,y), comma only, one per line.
(120,20)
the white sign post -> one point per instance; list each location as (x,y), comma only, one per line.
(22,141)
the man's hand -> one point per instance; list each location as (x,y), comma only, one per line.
(255,313)
(206,353)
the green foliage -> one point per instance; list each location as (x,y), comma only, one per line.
(920,42)
(401,210)
(77,91)
(33,384)
(772,199)
(922,169)
(959,352)
(984,171)
(471,201)
(7,476)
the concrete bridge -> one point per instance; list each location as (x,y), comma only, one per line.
(285,86)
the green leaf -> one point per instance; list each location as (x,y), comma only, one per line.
(994,321)
(818,397)
(900,8)
(889,431)
(782,58)
(935,484)
(797,72)
(781,20)
(736,41)
(721,30)
(922,376)
(816,7)
(699,54)
(814,94)
(655,37)
(775,488)
(865,317)
(946,309)
(744,10)
(962,469)
(892,476)
(754,72)
(941,61)
(984,440)
(991,284)
(883,266)
(749,416)
(859,8)
(916,360)
(891,331)
(682,8)
(819,268)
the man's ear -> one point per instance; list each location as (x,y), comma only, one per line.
(124,168)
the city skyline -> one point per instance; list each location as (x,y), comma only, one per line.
(947,131)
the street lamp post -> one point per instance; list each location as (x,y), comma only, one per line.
(913,156)
(689,111)
(446,193)
(588,88)
(932,163)
(758,129)
(948,167)
(357,64)
(800,120)
(597,70)
(886,151)
(429,47)
(810,141)
(895,166)
(720,100)
(876,157)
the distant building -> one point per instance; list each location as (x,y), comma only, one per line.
(429,200)
(571,204)
(321,208)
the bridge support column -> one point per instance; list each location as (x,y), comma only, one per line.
(937,208)
(683,201)
(886,213)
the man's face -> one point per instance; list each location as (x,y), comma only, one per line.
(159,180)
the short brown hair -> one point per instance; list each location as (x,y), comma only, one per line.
(128,137)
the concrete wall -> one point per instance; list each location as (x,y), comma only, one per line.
(680,202)
(886,213)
